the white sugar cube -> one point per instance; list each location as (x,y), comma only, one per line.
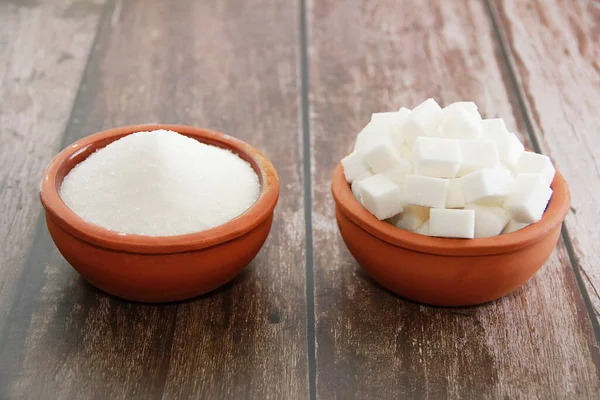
(509,145)
(355,184)
(425,191)
(438,133)
(375,130)
(452,223)
(489,220)
(380,154)
(380,196)
(458,123)
(395,119)
(514,226)
(477,154)
(423,229)
(365,136)
(406,153)
(528,198)
(436,157)
(536,164)
(494,129)
(354,166)
(423,120)
(513,150)
(487,184)
(468,106)
(390,123)
(455,197)
(411,218)
(397,173)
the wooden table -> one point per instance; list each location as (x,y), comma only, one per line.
(298,79)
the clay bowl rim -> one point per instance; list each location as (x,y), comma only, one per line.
(132,243)
(555,214)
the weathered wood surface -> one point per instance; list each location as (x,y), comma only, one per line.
(43,51)
(227,65)
(237,67)
(536,343)
(562,97)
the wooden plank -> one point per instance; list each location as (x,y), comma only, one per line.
(43,49)
(536,343)
(554,49)
(226,65)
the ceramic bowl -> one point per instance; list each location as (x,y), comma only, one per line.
(158,269)
(441,271)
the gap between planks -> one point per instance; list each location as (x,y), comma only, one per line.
(307,171)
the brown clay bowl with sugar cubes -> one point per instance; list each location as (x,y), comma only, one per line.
(444,207)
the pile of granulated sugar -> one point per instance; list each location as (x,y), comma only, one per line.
(160,183)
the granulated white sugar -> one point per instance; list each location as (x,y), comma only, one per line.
(160,183)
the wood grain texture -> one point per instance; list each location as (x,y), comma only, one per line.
(555,49)
(226,65)
(370,56)
(43,49)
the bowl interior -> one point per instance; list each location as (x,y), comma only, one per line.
(555,213)
(80,150)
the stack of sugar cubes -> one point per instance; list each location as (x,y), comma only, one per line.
(447,172)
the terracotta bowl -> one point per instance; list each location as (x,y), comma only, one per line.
(447,272)
(158,269)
